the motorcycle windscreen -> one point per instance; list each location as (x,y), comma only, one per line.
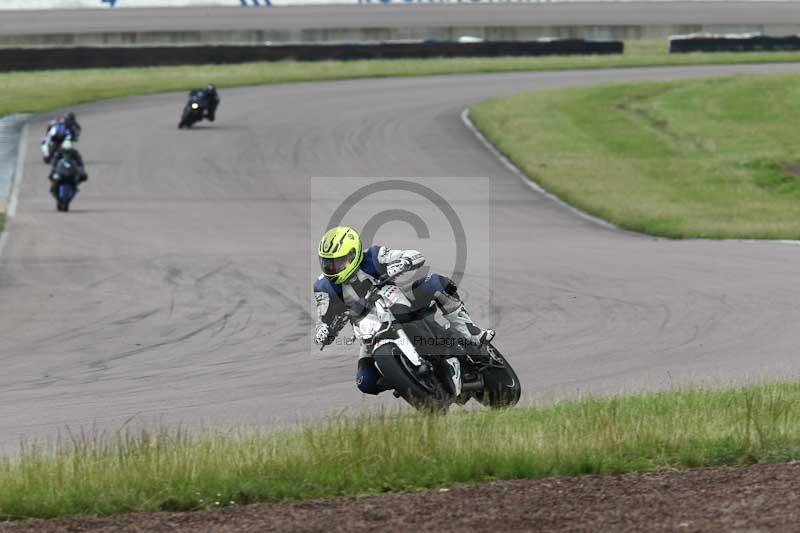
(332,266)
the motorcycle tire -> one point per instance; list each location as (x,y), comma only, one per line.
(501,384)
(424,392)
(186,119)
(65,194)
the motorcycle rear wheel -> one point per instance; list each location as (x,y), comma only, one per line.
(423,391)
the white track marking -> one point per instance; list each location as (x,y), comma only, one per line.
(18,173)
(3,239)
(16,184)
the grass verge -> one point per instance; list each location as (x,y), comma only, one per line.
(173,470)
(711,158)
(43,91)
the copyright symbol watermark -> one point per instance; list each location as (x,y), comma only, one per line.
(448,220)
(370,227)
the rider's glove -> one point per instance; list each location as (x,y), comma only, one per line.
(398,267)
(323,335)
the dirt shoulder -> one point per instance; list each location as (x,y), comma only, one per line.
(761,497)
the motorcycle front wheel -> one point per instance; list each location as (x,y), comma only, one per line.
(419,387)
(186,118)
(501,384)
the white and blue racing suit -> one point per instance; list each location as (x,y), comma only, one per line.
(58,132)
(334,300)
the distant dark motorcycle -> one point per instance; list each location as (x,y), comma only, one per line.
(65,177)
(193,112)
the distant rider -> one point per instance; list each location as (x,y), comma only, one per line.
(57,133)
(72,126)
(68,150)
(209,99)
(67,163)
(66,127)
(348,272)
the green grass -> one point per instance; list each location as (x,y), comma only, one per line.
(702,158)
(42,91)
(174,470)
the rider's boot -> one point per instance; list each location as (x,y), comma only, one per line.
(463,325)
(452,307)
(454,369)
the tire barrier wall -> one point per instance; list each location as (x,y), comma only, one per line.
(757,43)
(104,57)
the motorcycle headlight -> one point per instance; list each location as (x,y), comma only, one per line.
(368,327)
(195,106)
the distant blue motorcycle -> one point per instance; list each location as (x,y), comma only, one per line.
(66,192)
(65,178)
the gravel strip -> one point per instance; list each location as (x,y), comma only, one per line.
(754,498)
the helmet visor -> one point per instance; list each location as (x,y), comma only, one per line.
(331,267)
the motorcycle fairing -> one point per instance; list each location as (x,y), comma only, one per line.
(404,343)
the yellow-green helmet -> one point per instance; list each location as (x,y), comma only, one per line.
(340,253)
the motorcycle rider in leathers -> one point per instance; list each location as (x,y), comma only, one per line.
(74,166)
(349,271)
(210,99)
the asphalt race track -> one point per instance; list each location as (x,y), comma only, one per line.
(179,288)
(287,18)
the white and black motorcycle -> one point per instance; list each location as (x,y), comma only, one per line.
(424,362)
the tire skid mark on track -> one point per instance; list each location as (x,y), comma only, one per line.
(575,303)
